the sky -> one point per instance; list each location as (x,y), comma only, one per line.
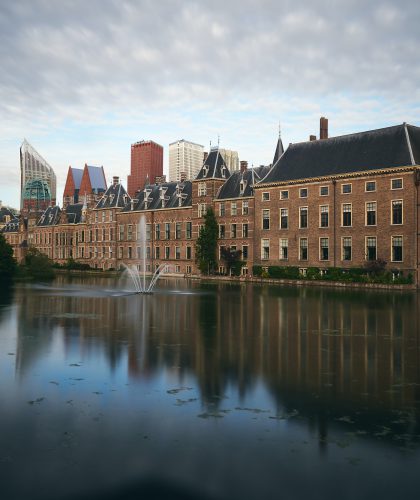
(83,80)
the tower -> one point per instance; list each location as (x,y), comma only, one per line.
(146,163)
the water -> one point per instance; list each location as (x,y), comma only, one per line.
(207,391)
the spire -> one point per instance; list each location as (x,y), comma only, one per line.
(279,148)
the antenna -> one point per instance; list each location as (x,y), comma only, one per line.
(279,130)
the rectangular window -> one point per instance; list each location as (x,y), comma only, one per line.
(233,230)
(371,213)
(323,215)
(177,253)
(245,208)
(303,217)
(370,186)
(323,191)
(233,209)
(346,188)
(266,196)
(371,248)
(177,230)
(245,252)
(177,269)
(188,253)
(222,209)
(188,230)
(284,248)
(167,230)
(265,249)
(244,230)
(147,252)
(148,231)
(303,249)
(202,190)
(130,253)
(346,214)
(397,249)
(396,184)
(120,234)
(284,195)
(303,193)
(284,218)
(103,216)
(397,212)
(201,209)
(157,252)
(188,269)
(157,231)
(323,249)
(346,252)
(222,231)
(167,252)
(266,219)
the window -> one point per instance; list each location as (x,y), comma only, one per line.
(284,195)
(177,230)
(130,253)
(303,193)
(370,186)
(266,219)
(201,209)
(323,191)
(148,232)
(202,190)
(244,252)
(244,230)
(177,269)
(346,214)
(177,253)
(147,252)
(265,249)
(346,188)
(323,248)
(397,249)
(222,209)
(323,216)
(303,217)
(188,230)
(245,208)
(103,216)
(120,234)
(167,252)
(303,249)
(188,253)
(222,231)
(157,253)
(371,248)
(397,212)
(233,230)
(157,231)
(346,251)
(266,196)
(284,218)
(233,209)
(371,213)
(188,269)
(396,184)
(167,230)
(284,247)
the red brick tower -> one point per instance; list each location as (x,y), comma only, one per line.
(146,165)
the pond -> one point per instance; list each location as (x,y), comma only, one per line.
(207,391)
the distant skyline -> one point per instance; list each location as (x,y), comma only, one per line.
(82,81)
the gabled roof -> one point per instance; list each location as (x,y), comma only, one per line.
(240,184)
(166,195)
(214,167)
(50,217)
(12,226)
(97,178)
(77,174)
(114,196)
(390,147)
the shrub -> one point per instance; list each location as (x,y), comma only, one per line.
(37,265)
(257,270)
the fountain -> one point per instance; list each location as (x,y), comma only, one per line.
(139,278)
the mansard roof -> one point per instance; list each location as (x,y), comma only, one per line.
(240,184)
(389,147)
(165,195)
(4,212)
(74,213)
(50,217)
(214,167)
(12,226)
(115,196)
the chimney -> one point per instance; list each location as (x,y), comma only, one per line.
(205,155)
(312,137)
(183,176)
(244,166)
(115,180)
(323,128)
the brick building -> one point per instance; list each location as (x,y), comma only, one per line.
(146,165)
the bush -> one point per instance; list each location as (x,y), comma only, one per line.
(257,270)
(313,273)
(37,265)
(8,264)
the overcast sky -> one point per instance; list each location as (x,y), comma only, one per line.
(82,80)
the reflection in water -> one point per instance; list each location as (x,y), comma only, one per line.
(339,363)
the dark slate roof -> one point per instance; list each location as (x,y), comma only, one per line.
(12,226)
(97,178)
(363,151)
(279,151)
(166,195)
(4,212)
(77,176)
(50,217)
(214,167)
(240,185)
(114,196)
(74,213)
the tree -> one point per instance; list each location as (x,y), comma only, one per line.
(38,265)
(232,259)
(7,261)
(206,244)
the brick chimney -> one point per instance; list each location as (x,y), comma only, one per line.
(312,137)
(115,180)
(323,128)
(205,155)
(183,176)
(244,166)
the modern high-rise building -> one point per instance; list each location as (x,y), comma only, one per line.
(38,183)
(146,165)
(231,158)
(185,160)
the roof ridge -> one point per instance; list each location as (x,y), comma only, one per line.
(410,149)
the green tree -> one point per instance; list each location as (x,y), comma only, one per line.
(206,244)
(38,265)
(7,261)
(232,259)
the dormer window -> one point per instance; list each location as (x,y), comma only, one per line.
(223,169)
(242,186)
(205,170)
